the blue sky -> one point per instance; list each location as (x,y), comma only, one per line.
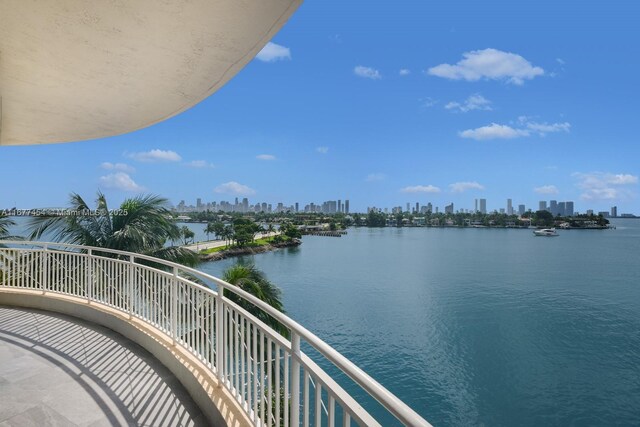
(385,103)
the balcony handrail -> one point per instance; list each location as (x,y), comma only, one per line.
(388,400)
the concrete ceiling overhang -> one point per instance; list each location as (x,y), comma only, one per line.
(73,70)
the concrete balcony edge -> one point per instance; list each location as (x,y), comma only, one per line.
(215,401)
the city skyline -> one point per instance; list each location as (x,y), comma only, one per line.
(555,207)
(446,112)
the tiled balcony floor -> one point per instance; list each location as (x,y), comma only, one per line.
(56,370)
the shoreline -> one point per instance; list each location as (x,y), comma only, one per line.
(249,250)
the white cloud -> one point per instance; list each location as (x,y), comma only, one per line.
(428,102)
(420,189)
(367,72)
(460,187)
(322,150)
(560,61)
(546,189)
(235,188)
(622,179)
(473,102)
(493,131)
(604,185)
(123,167)
(374,177)
(489,64)
(155,156)
(404,72)
(544,128)
(272,52)
(199,164)
(120,181)
(265,157)
(526,127)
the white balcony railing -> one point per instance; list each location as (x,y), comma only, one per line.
(267,373)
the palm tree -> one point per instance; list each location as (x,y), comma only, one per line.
(142,225)
(209,229)
(5,223)
(248,278)
(270,229)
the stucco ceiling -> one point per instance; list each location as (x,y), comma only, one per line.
(73,70)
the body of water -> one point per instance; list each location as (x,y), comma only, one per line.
(488,327)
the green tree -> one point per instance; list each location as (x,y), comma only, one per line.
(209,229)
(270,229)
(142,224)
(376,219)
(248,278)
(543,218)
(292,232)
(5,224)
(186,234)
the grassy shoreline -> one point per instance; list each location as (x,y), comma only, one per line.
(257,246)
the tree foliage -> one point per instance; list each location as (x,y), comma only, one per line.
(248,278)
(141,225)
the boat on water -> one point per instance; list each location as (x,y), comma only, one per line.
(549,232)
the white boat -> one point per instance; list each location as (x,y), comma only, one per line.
(550,232)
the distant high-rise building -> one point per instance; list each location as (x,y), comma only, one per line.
(429,207)
(346,206)
(417,207)
(509,207)
(542,205)
(614,211)
(553,207)
(408,207)
(589,211)
(561,209)
(297,207)
(198,203)
(339,206)
(476,209)
(568,208)
(483,206)
(521,209)
(448,209)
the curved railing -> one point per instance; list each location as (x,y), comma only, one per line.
(271,378)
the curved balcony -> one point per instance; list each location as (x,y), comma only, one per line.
(238,370)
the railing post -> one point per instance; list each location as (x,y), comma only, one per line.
(174,306)
(130,287)
(43,268)
(219,334)
(89,273)
(295,379)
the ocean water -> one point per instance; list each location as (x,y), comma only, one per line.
(477,326)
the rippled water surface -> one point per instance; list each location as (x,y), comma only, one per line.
(478,326)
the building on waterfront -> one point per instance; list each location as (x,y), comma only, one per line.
(553,207)
(568,208)
(509,207)
(448,209)
(561,209)
(614,211)
(521,209)
(542,205)
(483,206)
(346,206)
